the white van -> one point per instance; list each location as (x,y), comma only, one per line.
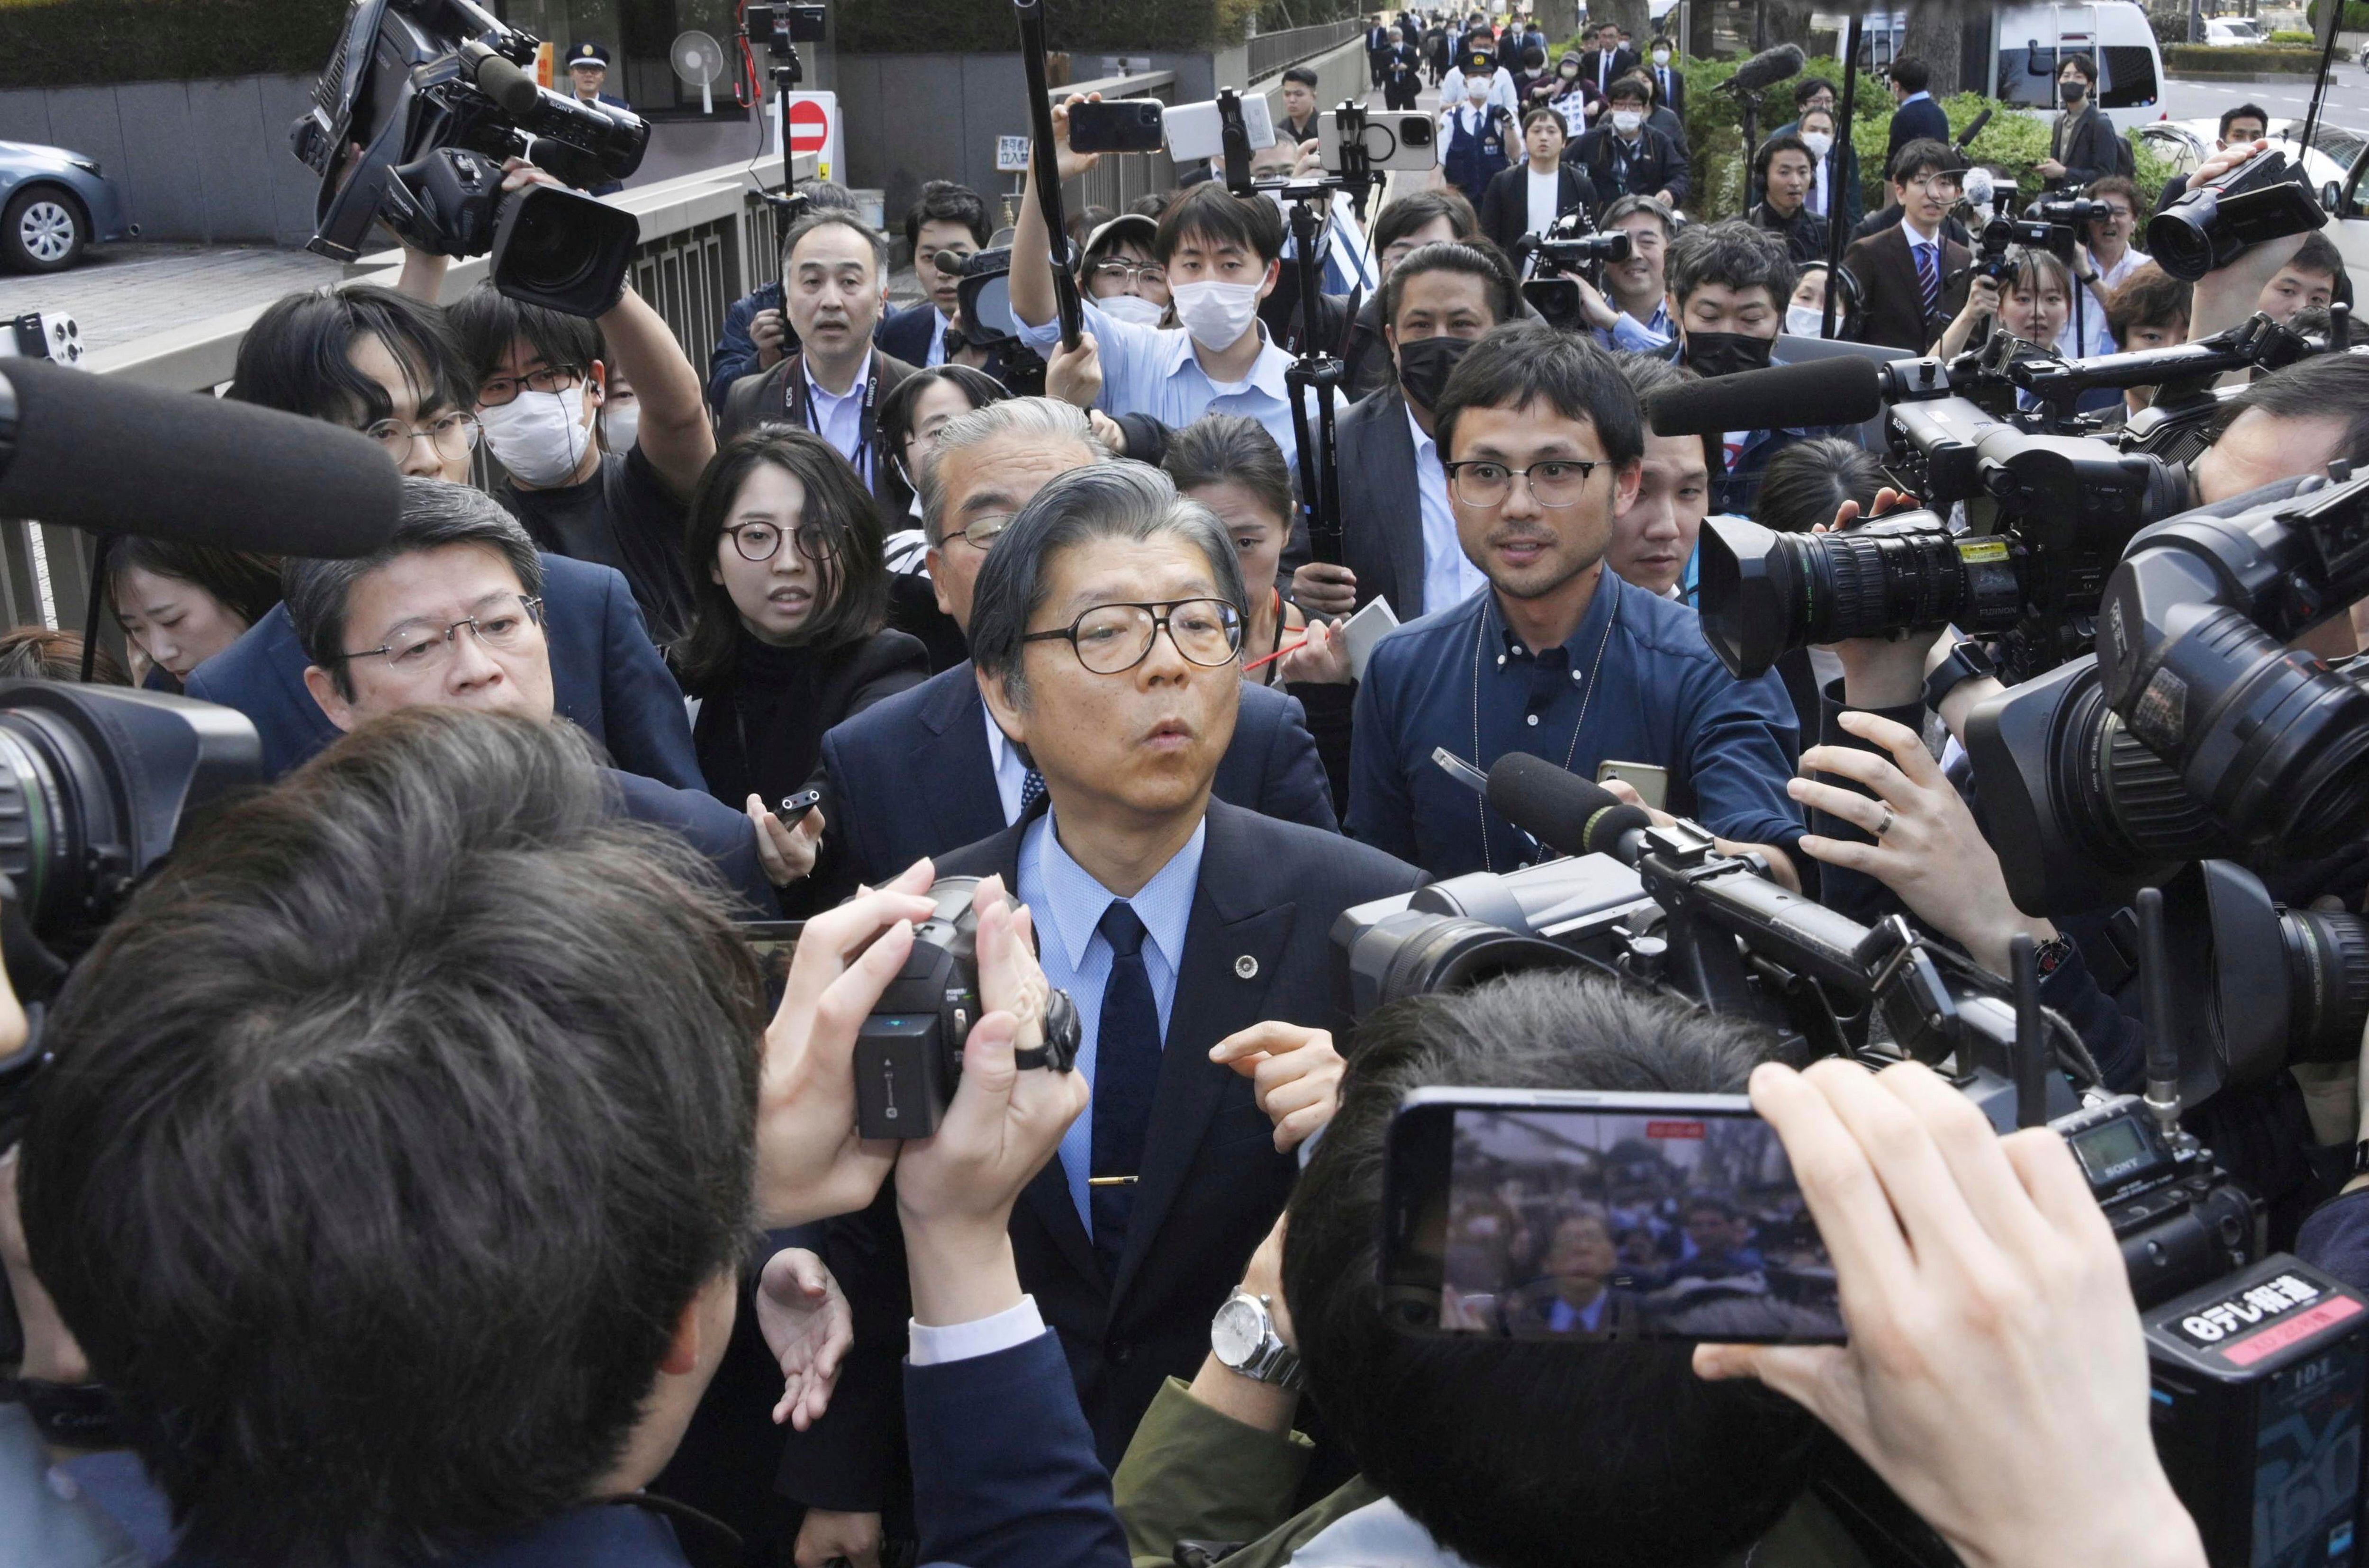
(2028,43)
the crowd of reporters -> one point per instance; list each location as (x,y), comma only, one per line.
(427,1170)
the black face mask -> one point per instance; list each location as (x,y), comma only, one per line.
(1726,353)
(2074,91)
(1425,364)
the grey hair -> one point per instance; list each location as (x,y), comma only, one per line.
(1042,418)
(435,514)
(820,217)
(1120,499)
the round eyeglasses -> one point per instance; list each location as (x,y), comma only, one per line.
(762,541)
(454,435)
(1111,639)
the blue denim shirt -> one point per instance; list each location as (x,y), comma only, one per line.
(1660,696)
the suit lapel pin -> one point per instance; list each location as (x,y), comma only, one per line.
(1246,968)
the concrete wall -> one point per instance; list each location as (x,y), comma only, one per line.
(205,160)
(912,118)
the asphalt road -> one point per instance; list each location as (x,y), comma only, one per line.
(2347,103)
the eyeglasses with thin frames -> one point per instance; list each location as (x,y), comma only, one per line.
(1558,481)
(1111,639)
(454,435)
(420,648)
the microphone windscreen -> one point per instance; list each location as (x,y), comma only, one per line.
(1558,808)
(1768,66)
(114,458)
(1846,390)
(1978,186)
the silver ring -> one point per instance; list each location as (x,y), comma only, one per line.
(1885,825)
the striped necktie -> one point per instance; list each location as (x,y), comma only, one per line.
(1929,276)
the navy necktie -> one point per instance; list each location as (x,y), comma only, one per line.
(1031,790)
(1126,1075)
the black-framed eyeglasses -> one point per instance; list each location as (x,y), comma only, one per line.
(501,389)
(762,541)
(1559,482)
(1111,639)
(418,648)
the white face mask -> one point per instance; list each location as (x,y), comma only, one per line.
(1819,143)
(1805,321)
(1131,308)
(1627,121)
(539,436)
(1477,92)
(1217,315)
(621,426)
(1661,57)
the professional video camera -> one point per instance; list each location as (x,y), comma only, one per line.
(420,103)
(909,1052)
(2060,508)
(2210,226)
(2196,731)
(1571,249)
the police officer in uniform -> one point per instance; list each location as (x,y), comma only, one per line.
(588,71)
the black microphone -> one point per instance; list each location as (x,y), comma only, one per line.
(1562,810)
(1764,69)
(1845,390)
(1973,129)
(80,449)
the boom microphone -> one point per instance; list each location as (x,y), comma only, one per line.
(1562,810)
(1973,129)
(1764,69)
(1846,390)
(80,449)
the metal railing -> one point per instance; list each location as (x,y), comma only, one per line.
(707,238)
(1271,52)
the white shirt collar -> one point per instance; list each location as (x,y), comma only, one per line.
(1918,237)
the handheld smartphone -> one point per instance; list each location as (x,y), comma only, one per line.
(1116,125)
(1569,1215)
(794,807)
(1366,628)
(1651,782)
(1399,138)
(1196,130)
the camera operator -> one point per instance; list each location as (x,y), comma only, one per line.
(448,612)
(1191,935)
(928,771)
(2280,277)
(1509,1451)
(1437,303)
(1543,439)
(382,362)
(2110,256)
(257,1070)
(2241,126)
(1529,197)
(1222,256)
(540,378)
(1632,311)
(946,223)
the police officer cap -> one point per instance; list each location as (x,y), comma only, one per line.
(590,54)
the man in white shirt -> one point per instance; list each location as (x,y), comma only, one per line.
(1529,197)
(2111,256)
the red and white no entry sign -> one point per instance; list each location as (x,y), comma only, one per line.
(809,126)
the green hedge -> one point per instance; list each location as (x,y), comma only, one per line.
(975,26)
(62,43)
(2288,35)
(2355,20)
(2264,61)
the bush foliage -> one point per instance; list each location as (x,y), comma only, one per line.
(63,43)
(2202,59)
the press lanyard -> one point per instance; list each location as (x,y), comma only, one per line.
(801,410)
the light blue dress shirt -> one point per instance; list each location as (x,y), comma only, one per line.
(1068,905)
(838,417)
(1650,337)
(1448,575)
(1152,370)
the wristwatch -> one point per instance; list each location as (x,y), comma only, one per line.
(1242,1336)
(1966,660)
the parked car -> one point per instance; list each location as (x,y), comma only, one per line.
(2184,143)
(2231,32)
(53,204)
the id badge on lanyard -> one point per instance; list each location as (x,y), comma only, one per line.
(801,411)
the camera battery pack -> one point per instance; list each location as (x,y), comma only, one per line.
(2258,1383)
(901,1082)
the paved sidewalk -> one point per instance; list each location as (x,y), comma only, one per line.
(125,291)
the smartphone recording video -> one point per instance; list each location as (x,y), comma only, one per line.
(1573,1216)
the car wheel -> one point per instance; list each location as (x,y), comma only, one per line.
(43,230)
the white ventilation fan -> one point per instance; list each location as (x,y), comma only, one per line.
(698,59)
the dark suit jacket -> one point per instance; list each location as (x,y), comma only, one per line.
(719,833)
(904,334)
(912,776)
(1923,118)
(1850,201)
(1669,89)
(2086,147)
(1505,205)
(1658,166)
(1257,947)
(605,677)
(1893,313)
(757,399)
(1623,61)
(1381,512)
